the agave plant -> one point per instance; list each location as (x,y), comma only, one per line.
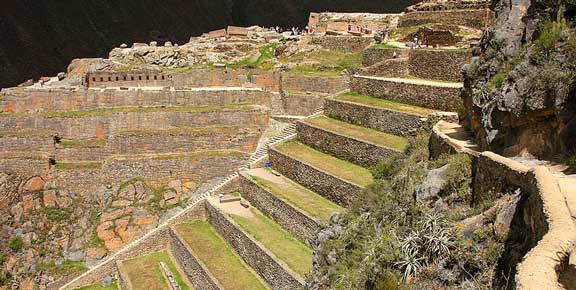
(410,262)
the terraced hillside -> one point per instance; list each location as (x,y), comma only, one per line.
(260,235)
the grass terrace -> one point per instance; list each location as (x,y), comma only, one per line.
(145,273)
(78,165)
(362,133)
(337,167)
(113,286)
(299,196)
(385,46)
(323,62)
(220,259)
(186,130)
(264,61)
(189,155)
(109,111)
(90,143)
(280,242)
(382,103)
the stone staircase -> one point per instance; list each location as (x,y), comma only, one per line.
(318,166)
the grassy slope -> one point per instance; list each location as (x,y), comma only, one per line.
(301,197)
(145,272)
(222,262)
(338,167)
(280,242)
(382,103)
(359,132)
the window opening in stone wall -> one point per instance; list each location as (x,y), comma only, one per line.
(117,78)
(162,77)
(139,78)
(93,79)
(124,77)
(132,78)
(155,77)
(101,79)
(147,78)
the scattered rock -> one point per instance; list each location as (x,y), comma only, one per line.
(49,198)
(96,253)
(123,45)
(33,184)
(76,256)
(505,216)
(107,281)
(433,184)
(244,204)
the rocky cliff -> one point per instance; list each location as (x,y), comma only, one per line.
(42,37)
(520,89)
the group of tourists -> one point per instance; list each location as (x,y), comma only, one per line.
(293,30)
(419,42)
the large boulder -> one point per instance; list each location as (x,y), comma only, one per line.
(431,187)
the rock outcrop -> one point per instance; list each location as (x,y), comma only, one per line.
(519,91)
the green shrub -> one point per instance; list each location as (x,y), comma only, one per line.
(15,243)
(459,177)
(571,164)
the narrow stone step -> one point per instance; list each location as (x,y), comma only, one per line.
(294,207)
(278,257)
(438,95)
(229,270)
(360,145)
(379,114)
(145,273)
(335,179)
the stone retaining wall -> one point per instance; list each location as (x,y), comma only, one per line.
(428,96)
(26,142)
(374,55)
(360,152)
(241,138)
(197,167)
(293,82)
(478,19)
(290,218)
(302,104)
(325,184)
(277,275)
(438,64)
(195,271)
(25,164)
(390,68)
(342,43)
(123,280)
(103,124)
(545,233)
(392,122)
(268,81)
(82,99)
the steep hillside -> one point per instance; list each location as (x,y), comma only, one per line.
(42,37)
(520,90)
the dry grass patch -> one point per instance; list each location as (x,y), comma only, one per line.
(362,133)
(337,167)
(222,262)
(382,103)
(145,272)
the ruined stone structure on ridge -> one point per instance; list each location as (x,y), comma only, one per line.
(154,160)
